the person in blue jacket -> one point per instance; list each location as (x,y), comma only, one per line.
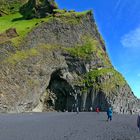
(109,114)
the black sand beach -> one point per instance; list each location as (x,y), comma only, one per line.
(67,126)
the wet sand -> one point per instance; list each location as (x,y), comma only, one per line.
(67,126)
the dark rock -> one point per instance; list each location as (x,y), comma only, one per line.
(2,13)
(38,8)
(11,33)
(8,34)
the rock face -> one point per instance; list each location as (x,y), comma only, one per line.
(37,8)
(62,63)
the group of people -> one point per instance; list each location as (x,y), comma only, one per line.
(110,113)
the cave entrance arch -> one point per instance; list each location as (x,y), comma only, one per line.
(63,92)
(101,101)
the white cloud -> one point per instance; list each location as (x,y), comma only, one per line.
(131,39)
(138,75)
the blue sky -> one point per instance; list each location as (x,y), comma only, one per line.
(119,23)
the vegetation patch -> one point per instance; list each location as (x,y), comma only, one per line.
(72,14)
(21,55)
(84,51)
(70,17)
(59,11)
(89,50)
(10,6)
(105,79)
(21,25)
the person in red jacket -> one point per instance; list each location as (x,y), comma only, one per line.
(97,110)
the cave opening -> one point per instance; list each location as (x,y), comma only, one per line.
(101,101)
(63,91)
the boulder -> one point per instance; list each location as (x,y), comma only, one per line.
(8,34)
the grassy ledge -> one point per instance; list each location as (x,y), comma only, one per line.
(90,48)
(105,79)
(70,17)
(22,55)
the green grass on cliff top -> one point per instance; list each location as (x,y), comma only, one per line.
(22,26)
(16,21)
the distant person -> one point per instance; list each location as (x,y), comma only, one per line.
(77,110)
(138,121)
(91,109)
(131,112)
(97,109)
(76,105)
(109,114)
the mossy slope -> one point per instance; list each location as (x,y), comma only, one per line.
(11,6)
(104,79)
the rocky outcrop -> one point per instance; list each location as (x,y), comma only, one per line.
(37,8)
(62,63)
(10,6)
(2,13)
(8,34)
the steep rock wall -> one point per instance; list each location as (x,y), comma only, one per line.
(62,64)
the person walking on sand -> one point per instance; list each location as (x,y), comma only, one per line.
(91,109)
(77,106)
(77,110)
(138,122)
(109,114)
(97,110)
